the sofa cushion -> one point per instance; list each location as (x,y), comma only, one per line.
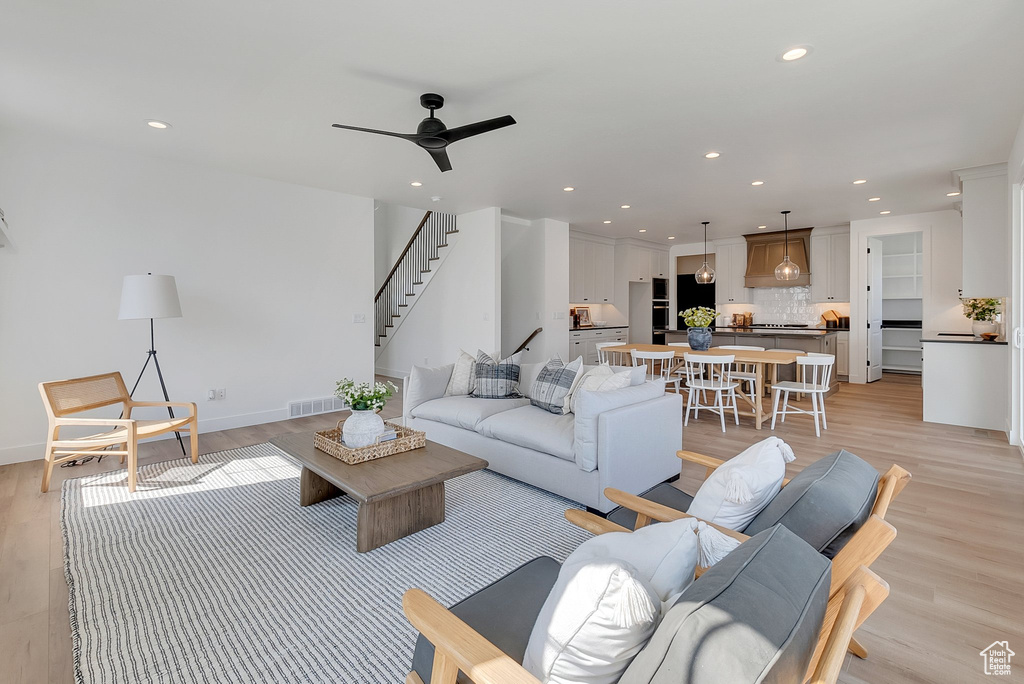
(741,487)
(663,493)
(496,379)
(503,613)
(551,388)
(825,504)
(590,406)
(753,617)
(463,376)
(424,384)
(465,412)
(532,428)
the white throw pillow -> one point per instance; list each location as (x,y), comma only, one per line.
(603,610)
(463,376)
(617,381)
(590,380)
(738,490)
(424,384)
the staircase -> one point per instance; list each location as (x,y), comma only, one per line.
(411,273)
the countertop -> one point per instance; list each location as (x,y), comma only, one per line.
(960,338)
(771,332)
(597,327)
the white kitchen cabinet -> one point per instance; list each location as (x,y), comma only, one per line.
(842,353)
(591,271)
(583,342)
(830,267)
(986,233)
(730,272)
(659,263)
(639,264)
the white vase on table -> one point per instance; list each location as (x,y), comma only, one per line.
(979,327)
(362,429)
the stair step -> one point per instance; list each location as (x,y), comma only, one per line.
(426,270)
(417,282)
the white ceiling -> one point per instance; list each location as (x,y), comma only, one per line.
(619,99)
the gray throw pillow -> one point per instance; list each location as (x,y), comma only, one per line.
(496,379)
(553,383)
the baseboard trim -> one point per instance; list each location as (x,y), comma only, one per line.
(391,372)
(34,452)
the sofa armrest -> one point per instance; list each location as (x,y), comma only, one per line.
(637,444)
(423,385)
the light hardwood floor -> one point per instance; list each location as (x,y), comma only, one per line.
(956,569)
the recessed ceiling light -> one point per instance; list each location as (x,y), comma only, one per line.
(859,181)
(415,184)
(712,155)
(873,199)
(952,194)
(883,213)
(761,227)
(568,188)
(795,53)
(671,237)
(624,206)
(643,230)
(607,221)
(153,123)
(758,183)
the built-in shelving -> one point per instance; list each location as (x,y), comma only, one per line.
(902,290)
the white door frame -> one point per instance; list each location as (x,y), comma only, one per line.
(858,287)
(874,309)
(1015,307)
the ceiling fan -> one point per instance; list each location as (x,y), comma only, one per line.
(433,136)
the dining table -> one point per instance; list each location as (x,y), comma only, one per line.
(765,363)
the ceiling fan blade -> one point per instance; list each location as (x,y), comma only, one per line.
(407,136)
(462,132)
(441,159)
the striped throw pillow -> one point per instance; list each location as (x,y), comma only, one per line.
(552,386)
(496,379)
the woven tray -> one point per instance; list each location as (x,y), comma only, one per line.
(329,441)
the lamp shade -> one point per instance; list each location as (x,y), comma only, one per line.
(149,296)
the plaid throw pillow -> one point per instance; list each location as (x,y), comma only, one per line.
(552,386)
(496,380)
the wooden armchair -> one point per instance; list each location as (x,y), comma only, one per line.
(457,646)
(83,394)
(862,549)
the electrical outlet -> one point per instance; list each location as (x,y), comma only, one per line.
(221,393)
(358,318)
(211,395)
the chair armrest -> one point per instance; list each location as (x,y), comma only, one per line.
(457,646)
(847,610)
(592,523)
(181,404)
(656,511)
(119,422)
(700,459)
(861,550)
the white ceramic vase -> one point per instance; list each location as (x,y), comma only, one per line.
(362,429)
(979,327)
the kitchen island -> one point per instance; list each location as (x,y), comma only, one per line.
(965,381)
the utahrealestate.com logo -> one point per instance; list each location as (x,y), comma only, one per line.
(997,658)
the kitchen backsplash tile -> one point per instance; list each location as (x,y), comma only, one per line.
(785,305)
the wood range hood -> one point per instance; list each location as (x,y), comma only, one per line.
(765,251)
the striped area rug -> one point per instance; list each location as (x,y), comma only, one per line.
(212,572)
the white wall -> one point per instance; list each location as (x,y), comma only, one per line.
(269,276)
(460,307)
(393,225)
(942,276)
(535,286)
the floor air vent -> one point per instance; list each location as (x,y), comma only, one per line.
(311,407)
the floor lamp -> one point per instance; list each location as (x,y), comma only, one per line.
(151,296)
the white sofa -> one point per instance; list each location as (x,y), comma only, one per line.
(625,438)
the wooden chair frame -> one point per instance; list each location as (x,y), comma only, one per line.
(863,548)
(125,432)
(457,646)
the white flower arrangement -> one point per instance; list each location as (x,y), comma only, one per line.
(364,396)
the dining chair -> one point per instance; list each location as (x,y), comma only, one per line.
(657,365)
(745,373)
(815,376)
(710,374)
(605,357)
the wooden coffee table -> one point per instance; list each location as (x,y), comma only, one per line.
(397,495)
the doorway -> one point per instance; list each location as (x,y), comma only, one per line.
(895,304)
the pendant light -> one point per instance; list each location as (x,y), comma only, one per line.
(705,275)
(787,270)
